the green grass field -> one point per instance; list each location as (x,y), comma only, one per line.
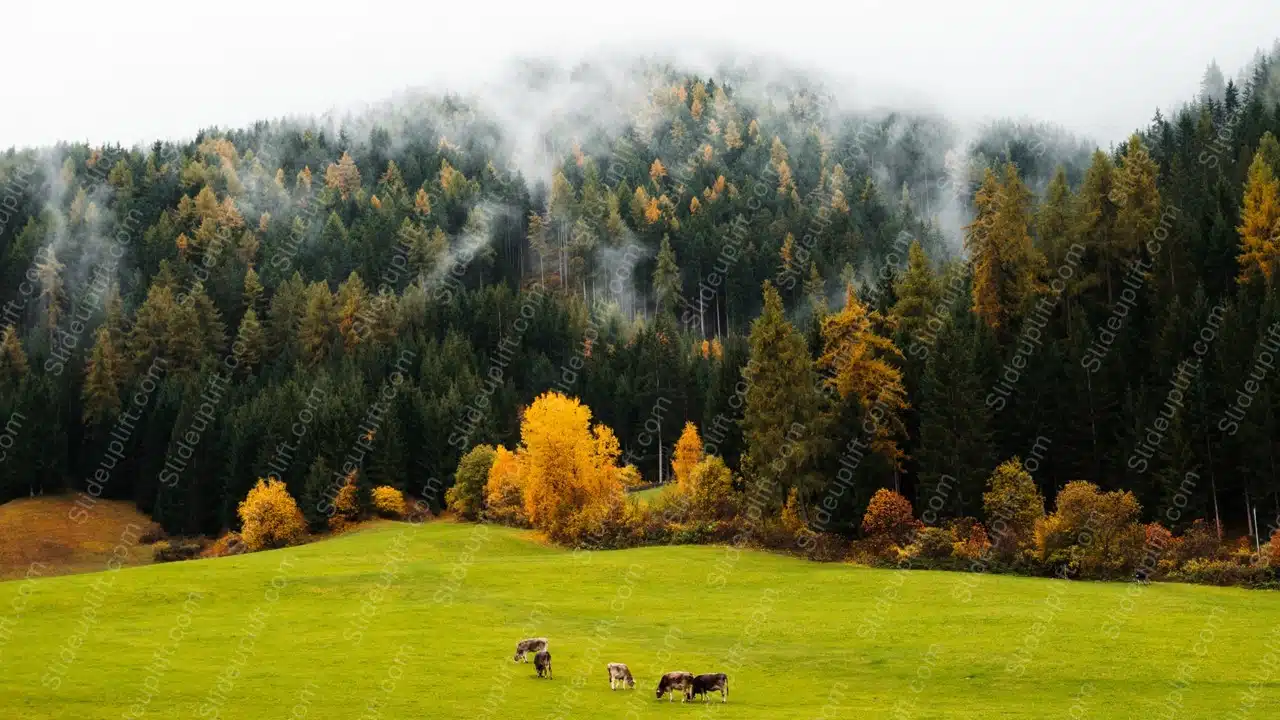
(651,494)
(421,622)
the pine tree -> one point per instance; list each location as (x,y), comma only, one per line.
(1138,199)
(666,278)
(1004,261)
(250,341)
(13,359)
(955,434)
(284,316)
(780,401)
(316,332)
(101,382)
(1096,216)
(252,289)
(918,290)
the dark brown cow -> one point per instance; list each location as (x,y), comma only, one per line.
(542,663)
(532,645)
(674,682)
(704,685)
(620,676)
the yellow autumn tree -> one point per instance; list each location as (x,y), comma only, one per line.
(343,177)
(1005,263)
(422,203)
(699,102)
(270,517)
(688,454)
(1259,222)
(504,490)
(652,212)
(569,467)
(657,171)
(732,135)
(859,362)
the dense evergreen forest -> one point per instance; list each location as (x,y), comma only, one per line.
(876,297)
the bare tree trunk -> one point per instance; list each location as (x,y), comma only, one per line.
(1213,486)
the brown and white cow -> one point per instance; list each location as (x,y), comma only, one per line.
(706,684)
(532,645)
(542,663)
(620,676)
(674,682)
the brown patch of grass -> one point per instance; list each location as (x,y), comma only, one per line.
(39,530)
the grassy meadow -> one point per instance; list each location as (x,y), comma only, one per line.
(402,621)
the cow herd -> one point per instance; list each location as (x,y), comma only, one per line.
(620,675)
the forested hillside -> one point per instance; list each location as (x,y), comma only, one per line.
(873,297)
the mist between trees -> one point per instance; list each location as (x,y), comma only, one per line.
(750,257)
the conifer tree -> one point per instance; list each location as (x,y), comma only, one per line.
(251,341)
(316,331)
(252,292)
(101,382)
(780,402)
(13,359)
(688,453)
(284,316)
(1259,222)
(918,290)
(1138,199)
(666,278)
(861,364)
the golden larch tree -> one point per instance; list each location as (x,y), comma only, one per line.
(1259,222)
(688,453)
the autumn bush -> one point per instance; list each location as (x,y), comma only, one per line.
(710,490)
(229,544)
(1013,506)
(933,543)
(466,497)
(1094,533)
(1270,554)
(176,549)
(1199,542)
(1224,572)
(346,506)
(270,517)
(388,502)
(888,520)
(1159,548)
(504,490)
(970,539)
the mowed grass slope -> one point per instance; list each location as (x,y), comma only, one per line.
(423,658)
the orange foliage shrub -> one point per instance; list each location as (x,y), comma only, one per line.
(229,544)
(346,506)
(504,491)
(889,519)
(270,517)
(971,539)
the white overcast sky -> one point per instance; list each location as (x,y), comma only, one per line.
(134,71)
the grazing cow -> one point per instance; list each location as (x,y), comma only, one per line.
(532,645)
(704,685)
(620,676)
(542,663)
(673,682)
